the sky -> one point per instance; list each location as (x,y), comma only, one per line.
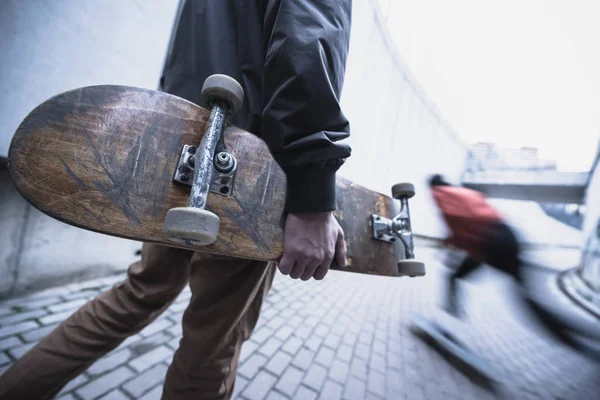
(515,72)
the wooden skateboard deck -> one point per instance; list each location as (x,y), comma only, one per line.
(445,340)
(102,158)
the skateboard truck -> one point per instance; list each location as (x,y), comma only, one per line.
(224,168)
(390,231)
(194,225)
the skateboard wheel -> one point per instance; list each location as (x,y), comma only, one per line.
(401,190)
(411,268)
(192,226)
(225,88)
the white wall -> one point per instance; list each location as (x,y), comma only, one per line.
(46,47)
(397,134)
(50,46)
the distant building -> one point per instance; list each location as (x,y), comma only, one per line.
(485,156)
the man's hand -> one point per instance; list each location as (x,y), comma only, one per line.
(310,243)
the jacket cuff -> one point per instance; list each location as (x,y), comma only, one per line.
(310,188)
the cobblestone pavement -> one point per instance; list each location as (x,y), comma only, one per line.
(346,337)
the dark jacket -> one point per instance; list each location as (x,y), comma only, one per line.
(290,57)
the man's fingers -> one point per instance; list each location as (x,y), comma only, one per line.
(340,250)
(321,271)
(309,271)
(298,269)
(286,264)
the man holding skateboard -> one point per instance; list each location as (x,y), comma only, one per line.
(290,58)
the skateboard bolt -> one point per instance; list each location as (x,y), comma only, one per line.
(184,177)
(224,162)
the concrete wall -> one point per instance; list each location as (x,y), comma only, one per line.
(398,135)
(51,46)
(590,266)
(48,47)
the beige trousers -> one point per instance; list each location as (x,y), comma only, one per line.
(227,295)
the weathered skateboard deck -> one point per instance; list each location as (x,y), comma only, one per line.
(104,158)
(446,340)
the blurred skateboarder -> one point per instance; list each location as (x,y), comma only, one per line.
(479,230)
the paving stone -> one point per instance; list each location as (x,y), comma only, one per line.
(414,391)
(69,305)
(332,341)
(37,334)
(155,327)
(10,342)
(305,393)
(278,363)
(313,343)
(284,333)
(154,394)
(349,338)
(289,381)
(376,383)
(315,377)
(110,361)
(248,348)
(86,294)
(276,323)
(22,316)
(151,358)
(359,368)
(179,307)
(292,345)
(321,331)
(4,358)
(270,347)
(377,363)
(362,351)
(115,395)
(17,328)
(239,385)
(259,386)
(20,351)
(67,396)
(74,383)
(379,347)
(295,321)
(331,391)
(250,368)
(176,330)
(141,345)
(275,395)
(143,382)
(339,371)
(344,353)
(174,343)
(325,357)
(104,384)
(355,388)
(56,318)
(262,334)
(304,332)
(304,358)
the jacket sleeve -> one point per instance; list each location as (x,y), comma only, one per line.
(306,44)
